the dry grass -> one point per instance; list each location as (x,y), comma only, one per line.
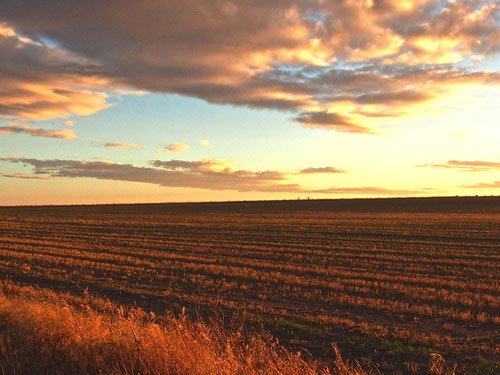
(42,332)
(392,285)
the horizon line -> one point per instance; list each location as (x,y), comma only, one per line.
(250,201)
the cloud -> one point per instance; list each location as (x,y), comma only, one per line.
(26,176)
(466,166)
(484,185)
(331,120)
(206,143)
(42,82)
(312,170)
(392,98)
(38,132)
(175,147)
(172,173)
(372,191)
(343,65)
(200,174)
(198,165)
(68,123)
(120,145)
(460,29)
(19,122)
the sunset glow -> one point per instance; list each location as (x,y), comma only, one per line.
(159,101)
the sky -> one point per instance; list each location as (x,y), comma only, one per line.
(198,100)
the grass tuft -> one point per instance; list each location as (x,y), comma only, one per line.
(44,332)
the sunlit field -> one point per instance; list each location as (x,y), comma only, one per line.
(397,285)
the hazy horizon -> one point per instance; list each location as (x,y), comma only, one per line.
(245,201)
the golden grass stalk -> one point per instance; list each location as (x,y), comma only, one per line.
(43,332)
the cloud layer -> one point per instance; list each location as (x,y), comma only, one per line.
(37,132)
(320,170)
(201,174)
(344,65)
(484,185)
(466,166)
(26,176)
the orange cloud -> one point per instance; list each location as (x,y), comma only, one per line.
(26,176)
(370,190)
(175,147)
(484,185)
(38,132)
(466,166)
(40,82)
(360,62)
(120,145)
